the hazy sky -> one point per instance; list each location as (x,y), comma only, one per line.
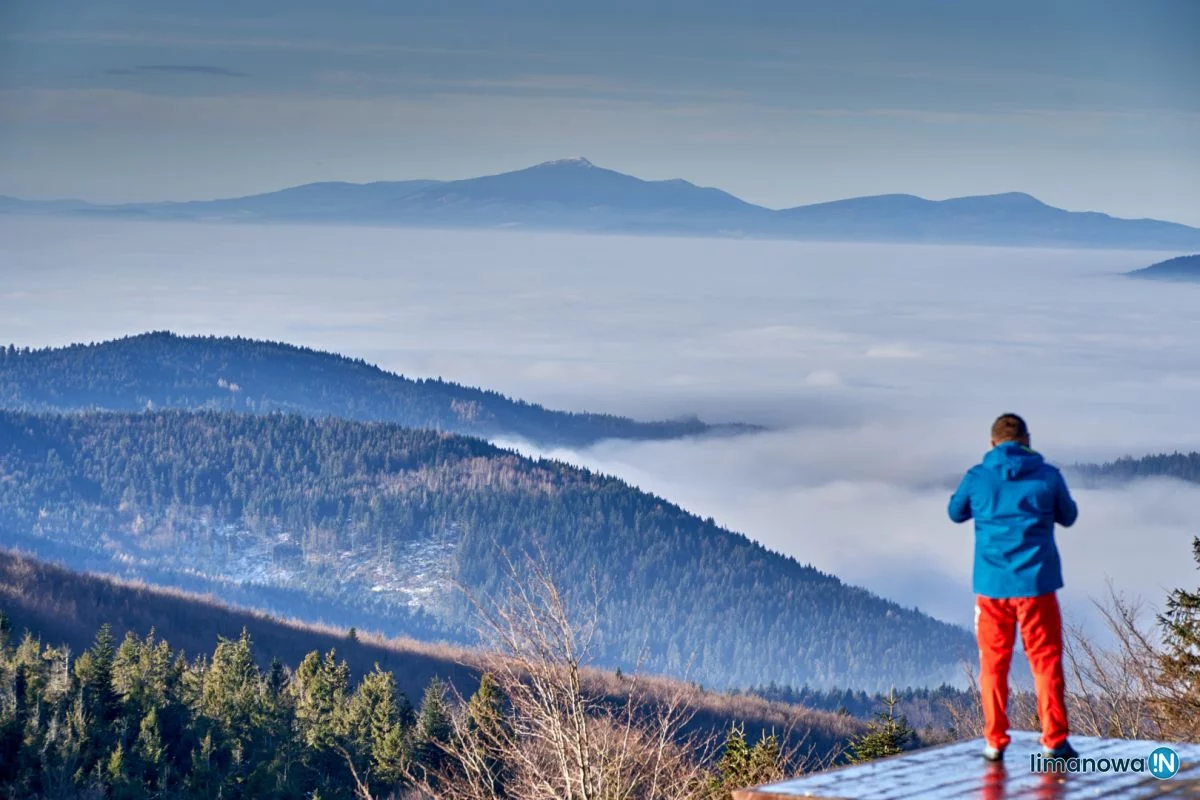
(1086,104)
(878,367)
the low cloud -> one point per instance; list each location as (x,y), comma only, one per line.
(863,505)
(814,340)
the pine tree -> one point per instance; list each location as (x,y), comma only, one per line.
(95,672)
(151,751)
(433,725)
(373,728)
(98,702)
(204,779)
(116,774)
(320,688)
(231,696)
(766,760)
(886,735)
(742,766)
(485,709)
(488,732)
(732,769)
(277,678)
(1181,661)
(389,756)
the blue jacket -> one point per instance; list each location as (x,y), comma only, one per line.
(1015,498)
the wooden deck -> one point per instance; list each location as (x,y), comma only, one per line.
(959,771)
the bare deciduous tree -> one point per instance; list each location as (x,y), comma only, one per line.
(563,737)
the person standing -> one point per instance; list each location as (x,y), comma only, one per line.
(1016,499)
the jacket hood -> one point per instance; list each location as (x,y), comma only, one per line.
(1013,460)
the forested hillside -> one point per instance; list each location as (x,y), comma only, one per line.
(66,608)
(1184,466)
(274,709)
(382,517)
(162,370)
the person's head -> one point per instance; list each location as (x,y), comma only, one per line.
(1009,428)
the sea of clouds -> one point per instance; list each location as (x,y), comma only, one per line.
(877,368)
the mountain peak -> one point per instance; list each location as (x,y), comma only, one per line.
(1010,198)
(577,161)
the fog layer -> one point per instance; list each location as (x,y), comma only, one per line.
(878,368)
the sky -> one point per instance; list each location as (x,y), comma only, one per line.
(878,369)
(1086,104)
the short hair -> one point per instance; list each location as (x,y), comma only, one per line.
(1009,428)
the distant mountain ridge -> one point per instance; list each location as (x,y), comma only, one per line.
(576,195)
(1183,269)
(164,370)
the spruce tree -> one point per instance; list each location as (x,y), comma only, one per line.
(488,732)
(887,735)
(742,766)
(733,769)
(231,696)
(373,729)
(1181,660)
(99,705)
(320,686)
(485,709)
(151,751)
(433,725)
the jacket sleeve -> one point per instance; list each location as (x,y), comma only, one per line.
(960,501)
(1065,510)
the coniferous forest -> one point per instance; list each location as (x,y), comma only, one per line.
(334,507)
(135,718)
(310,713)
(163,370)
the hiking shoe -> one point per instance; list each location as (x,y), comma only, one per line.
(993,754)
(1064,750)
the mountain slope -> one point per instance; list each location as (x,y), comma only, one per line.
(573,191)
(384,517)
(576,195)
(162,370)
(329,200)
(66,607)
(1182,268)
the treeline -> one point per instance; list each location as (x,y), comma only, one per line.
(1184,466)
(677,594)
(163,370)
(935,711)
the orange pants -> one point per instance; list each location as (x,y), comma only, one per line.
(996,621)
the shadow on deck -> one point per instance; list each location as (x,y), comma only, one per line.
(958,771)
